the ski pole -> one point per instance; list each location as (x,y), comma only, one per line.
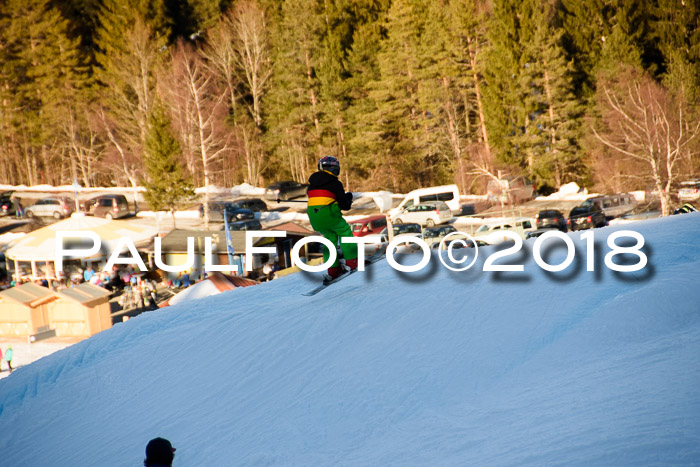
(292,201)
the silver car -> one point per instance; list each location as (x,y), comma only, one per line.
(429,214)
(57,208)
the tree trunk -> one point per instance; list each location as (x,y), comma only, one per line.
(479,103)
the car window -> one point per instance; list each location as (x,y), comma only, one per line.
(378,223)
(527,225)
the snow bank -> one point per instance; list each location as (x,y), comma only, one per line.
(383,368)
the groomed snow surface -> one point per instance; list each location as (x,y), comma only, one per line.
(383,368)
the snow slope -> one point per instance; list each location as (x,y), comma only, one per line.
(383,368)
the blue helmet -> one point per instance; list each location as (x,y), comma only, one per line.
(329,164)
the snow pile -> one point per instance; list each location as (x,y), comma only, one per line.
(195,292)
(7,239)
(244,189)
(383,368)
(570,192)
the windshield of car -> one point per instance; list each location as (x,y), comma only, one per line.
(356,227)
(579,211)
(431,233)
(483,228)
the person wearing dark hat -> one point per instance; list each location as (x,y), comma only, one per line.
(327,197)
(159,453)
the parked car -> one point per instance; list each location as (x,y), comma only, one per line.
(285,190)
(51,207)
(459,243)
(587,216)
(371,225)
(254,204)
(107,206)
(551,218)
(233,211)
(689,190)
(466,210)
(492,232)
(7,207)
(539,232)
(402,230)
(428,214)
(250,224)
(515,189)
(433,235)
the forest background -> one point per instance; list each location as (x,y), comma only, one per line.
(406,93)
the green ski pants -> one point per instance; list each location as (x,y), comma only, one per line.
(329,222)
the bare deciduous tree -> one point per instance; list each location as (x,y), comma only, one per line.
(252,52)
(204,103)
(644,123)
(82,143)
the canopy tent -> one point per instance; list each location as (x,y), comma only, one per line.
(40,246)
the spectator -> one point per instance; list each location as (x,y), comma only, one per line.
(0,359)
(8,357)
(159,453)
(88,273)
(186,280)
(19,210)
(267,270)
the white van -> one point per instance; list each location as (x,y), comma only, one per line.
(449,194)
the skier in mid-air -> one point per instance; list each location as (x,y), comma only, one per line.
(327,197)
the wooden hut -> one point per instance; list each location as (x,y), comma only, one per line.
(30,309)
(25,309)
(81,311)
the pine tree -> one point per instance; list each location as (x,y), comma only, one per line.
(600,35)
(294,136)
(132,38)
(42,72)
(555,114)
(167,188)
(676,31)
(505,90)
(395,127)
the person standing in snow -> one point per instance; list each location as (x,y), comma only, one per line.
(8,357)
(159,453)
(327,197)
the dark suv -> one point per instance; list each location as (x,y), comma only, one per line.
(586,216)
(233,211)
(254,204)
(250,224)
(551,218)
(7,207)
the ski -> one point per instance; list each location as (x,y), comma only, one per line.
(372,259)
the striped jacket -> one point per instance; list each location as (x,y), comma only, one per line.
(325,188)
